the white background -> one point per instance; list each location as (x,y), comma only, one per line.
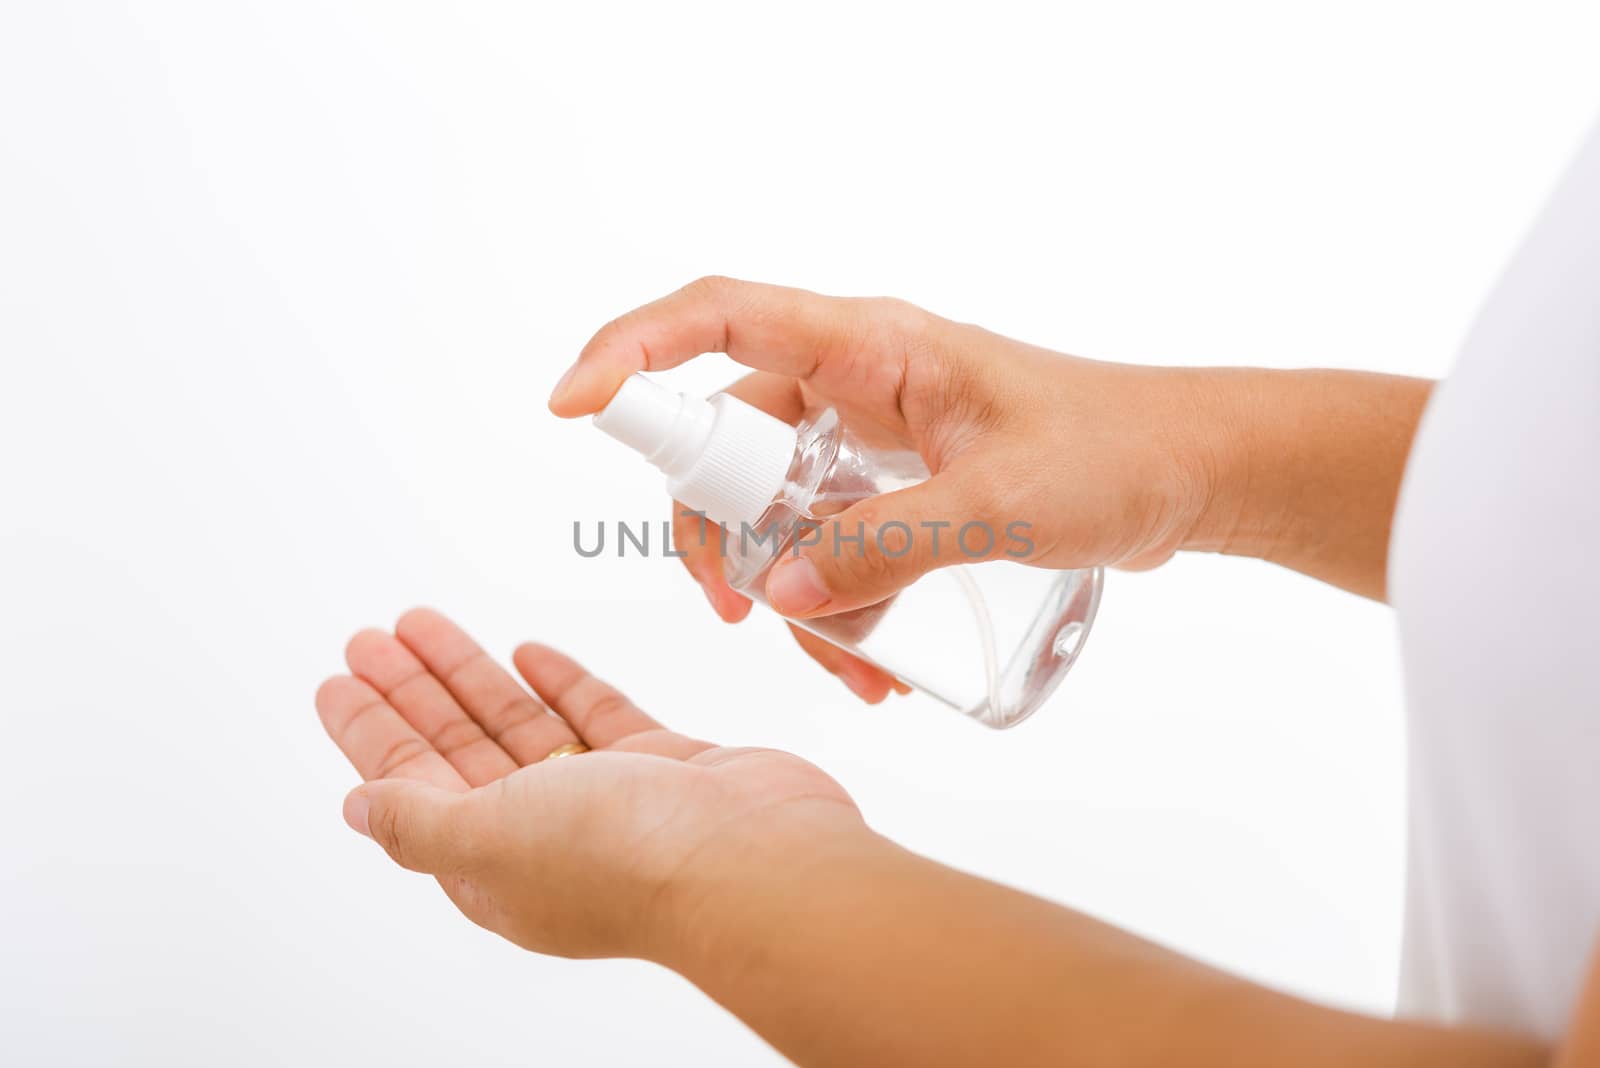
(283,287)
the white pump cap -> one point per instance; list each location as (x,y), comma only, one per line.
(721,456)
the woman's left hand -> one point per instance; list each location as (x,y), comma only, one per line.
(752,874)
(601,853)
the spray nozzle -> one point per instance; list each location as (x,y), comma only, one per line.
(721,456)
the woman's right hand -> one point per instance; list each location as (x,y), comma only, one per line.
(1105,463)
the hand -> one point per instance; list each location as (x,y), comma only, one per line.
(751,873)
(601,853)
(1099,459)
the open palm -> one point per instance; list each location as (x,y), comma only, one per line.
(564,856)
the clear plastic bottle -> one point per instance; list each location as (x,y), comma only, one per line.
(991,639)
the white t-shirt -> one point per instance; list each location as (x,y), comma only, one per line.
(1494,573)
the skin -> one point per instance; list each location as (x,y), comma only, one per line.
(1581,1046)
(752,873)
(1110,464)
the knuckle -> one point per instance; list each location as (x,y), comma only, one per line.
(714,287)
(609,705)
(609,335)
(436,840)
(902,315)
(880,555)
(457,735)
(398,755)
(875,570)
(392,828)
(893,539)
(894,325)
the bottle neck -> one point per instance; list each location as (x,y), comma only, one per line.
(722,456)
(752,548)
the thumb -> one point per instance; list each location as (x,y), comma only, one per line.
(421,827)
(877,547)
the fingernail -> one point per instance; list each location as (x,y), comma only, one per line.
(794,587)
(900,688)
(355,812)
(563,386)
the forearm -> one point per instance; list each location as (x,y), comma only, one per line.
(854,951)
(1304,468)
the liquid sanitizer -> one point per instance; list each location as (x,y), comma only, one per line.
(990,639)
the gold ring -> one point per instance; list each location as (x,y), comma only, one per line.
(570,749)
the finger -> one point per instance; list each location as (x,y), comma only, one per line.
(777,395)
(376,739)
(421,827)
(600,713)
(871,684)
(702,545)
(508,714)
(394,671)
(877,547)
(660,742)
(771,328)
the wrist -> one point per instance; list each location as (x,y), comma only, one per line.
(1235,456)
(714,917)
(1304,467)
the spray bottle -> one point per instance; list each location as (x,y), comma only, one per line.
(991,639)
